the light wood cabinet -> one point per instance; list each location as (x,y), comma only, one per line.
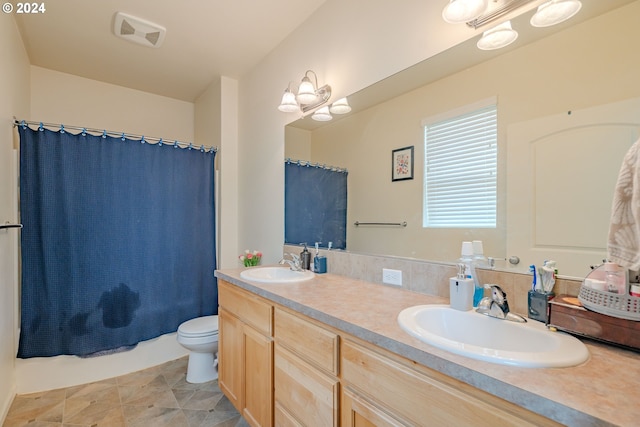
(305,372)
(382,388)
(280,367)
(246,353)
(358,411)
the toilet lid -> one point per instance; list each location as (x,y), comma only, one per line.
(200,326)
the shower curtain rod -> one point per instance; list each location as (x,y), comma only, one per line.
(315,165)
(105,133)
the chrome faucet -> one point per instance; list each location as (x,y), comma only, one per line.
(294,262)
(497,306)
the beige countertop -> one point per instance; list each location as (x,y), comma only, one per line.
(605,390)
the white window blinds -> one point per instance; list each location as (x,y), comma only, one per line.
(460,170)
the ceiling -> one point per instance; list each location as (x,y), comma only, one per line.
(205,39)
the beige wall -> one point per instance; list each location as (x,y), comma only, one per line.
(14,101)
(348,49)
(63,98)
(547,77)
(298,143)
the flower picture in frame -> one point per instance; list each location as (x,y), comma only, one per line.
(402,164)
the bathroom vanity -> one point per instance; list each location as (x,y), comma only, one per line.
(329,352)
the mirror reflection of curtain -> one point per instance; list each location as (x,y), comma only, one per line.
(118,241)
(315,205)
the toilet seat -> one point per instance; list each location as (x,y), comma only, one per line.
(199,327)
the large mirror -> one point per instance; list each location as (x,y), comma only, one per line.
(547,75)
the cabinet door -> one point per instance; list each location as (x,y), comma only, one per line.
(258,377)
(230,358)
(303,391)
(359,412)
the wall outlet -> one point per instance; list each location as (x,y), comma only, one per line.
(392,277)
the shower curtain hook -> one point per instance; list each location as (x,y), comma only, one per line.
(24,124)
(41,127)
(122,137)
(175,144)
(160,142)
(84,131)
(202,148)
(190,146)
(142,141)
(104,134)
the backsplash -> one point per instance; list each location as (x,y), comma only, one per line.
(432,278)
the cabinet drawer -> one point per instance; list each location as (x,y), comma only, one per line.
(312,343)
(426,398)
(302,390)
(248,307)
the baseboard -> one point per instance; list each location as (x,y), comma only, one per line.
(5,404)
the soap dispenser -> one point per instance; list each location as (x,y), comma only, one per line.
(319,261)
(305,258)
(461,290)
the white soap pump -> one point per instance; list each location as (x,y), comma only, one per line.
(461,289)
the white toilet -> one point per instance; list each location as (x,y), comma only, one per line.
(200,337)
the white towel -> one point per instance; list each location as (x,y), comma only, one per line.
(624,231)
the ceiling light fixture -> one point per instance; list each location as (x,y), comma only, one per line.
(554,12)
(497,37)
(459,11)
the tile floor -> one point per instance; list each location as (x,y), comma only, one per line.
(156,397)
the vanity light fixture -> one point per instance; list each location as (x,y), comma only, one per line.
(341,106)
(554,12)
(309,95)
(497,37)
(459,11)
(549,13)
(322,115)
(289,103)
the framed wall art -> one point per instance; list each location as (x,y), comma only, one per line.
(402,164)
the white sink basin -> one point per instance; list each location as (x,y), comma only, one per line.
(276,275)
(475,335)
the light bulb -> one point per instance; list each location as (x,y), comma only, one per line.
(459,11)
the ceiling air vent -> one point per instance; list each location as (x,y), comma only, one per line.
(138,30)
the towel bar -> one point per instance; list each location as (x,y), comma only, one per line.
(4,226)
(395,224)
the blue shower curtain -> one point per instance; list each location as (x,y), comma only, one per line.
(117,244)
(315,205)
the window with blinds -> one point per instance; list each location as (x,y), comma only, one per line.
(460,168)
